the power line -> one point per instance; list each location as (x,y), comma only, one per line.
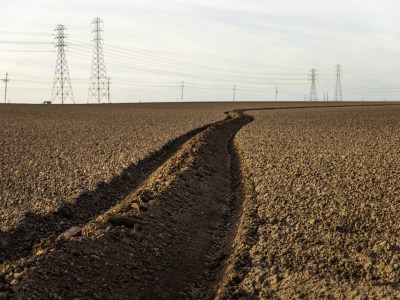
(98,87)
(182,68)
(141,55)
(25,33)
(189,74)
(18,50)
(234,92)
(62,84)
(159,61)
(25,42)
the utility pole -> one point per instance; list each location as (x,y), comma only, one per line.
(183,85)
(5,91)
(62,84)
(234,92)
(98,89)
(108,90)
(338,89)
(326,96)
(276,93)
(313,90)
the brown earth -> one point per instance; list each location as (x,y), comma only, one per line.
(322,199)
(157,211)
(167,239)
(49,155)
(62,166)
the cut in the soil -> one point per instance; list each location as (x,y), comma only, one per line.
(167,239)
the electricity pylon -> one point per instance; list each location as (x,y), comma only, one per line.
(98,86)
(338,89)
(313,90)
(62,84)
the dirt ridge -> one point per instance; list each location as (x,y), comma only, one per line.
(18,242)
(167,239)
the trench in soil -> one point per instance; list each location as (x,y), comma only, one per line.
(168,238)
(183,210)
(168,234)
(18,242)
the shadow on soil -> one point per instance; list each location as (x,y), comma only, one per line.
(18,243)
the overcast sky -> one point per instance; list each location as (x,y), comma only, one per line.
(150,47)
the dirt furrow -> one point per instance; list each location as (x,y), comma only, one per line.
(19,241)
(167,239)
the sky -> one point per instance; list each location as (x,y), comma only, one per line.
(219,49)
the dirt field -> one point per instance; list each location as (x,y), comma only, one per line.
(52,154)
(149,201)
(321,208)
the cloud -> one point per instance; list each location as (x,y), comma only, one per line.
(207,42)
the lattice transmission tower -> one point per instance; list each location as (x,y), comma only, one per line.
(62,89)
(99,82)
(338,88)
(313,90)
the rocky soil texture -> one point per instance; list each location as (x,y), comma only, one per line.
(51,154)
(184,201)
(167,239)
(62,166)
(322,202)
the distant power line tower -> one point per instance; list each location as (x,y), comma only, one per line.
(62,84)
(338,89)
(313,90)
(98,86)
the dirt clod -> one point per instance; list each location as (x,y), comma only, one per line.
(73,231)
(127,221)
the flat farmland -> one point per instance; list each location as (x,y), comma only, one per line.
(50,155)
(200,201)
(321,206)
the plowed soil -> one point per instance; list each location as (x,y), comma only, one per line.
(133,249)
(270,200)
(51,154)
(321,207)
(63,166)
